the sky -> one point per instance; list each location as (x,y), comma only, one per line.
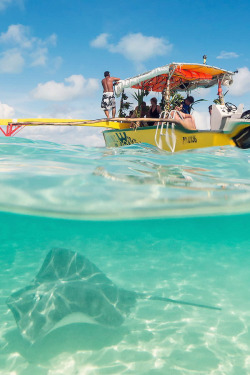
(53,54)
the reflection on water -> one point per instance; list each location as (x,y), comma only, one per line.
(136,181)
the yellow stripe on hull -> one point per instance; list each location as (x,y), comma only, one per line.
(185,139)
(102,123)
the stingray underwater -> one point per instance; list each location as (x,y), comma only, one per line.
(71,289)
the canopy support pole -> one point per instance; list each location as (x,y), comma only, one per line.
(167,93)
(220,92)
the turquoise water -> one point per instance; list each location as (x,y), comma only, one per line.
(182,233)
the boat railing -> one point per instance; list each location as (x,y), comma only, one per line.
(162,130)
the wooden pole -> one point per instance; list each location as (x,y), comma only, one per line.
(90,122)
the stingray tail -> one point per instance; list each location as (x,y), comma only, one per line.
(164,299)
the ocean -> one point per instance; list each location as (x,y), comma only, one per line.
(157,226)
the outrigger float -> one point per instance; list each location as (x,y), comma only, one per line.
(229,124)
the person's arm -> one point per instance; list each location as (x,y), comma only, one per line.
(186,115)
(114,79)
(134,113)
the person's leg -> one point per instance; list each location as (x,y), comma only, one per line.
(189,122)
(193,122)
(106,113)
(186,122)
(113,112)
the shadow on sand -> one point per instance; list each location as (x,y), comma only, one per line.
(70,338)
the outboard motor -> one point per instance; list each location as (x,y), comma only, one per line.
(246,115)
(242,139)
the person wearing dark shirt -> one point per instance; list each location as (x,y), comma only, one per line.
(154,110)
(186,105)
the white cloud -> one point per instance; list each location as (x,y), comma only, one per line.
(5,3)
(227,55)
(138,47)
(31,49)
(241,84)
(52,39)
(75,86)
(101,41)
(6,111)
(57,62)
(11,61)
(39,57)
(201,93)
(17,35)
(135,47)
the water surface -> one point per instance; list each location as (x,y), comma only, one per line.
(182,233)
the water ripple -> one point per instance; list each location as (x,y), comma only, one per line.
(49,179)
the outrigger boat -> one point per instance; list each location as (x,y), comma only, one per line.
(229,125)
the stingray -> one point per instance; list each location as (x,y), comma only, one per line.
(71,289)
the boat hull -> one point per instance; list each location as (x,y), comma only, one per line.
(184,139)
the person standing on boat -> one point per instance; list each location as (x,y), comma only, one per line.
(108,98)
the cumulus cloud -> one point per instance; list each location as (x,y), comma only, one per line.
(6,111)
(227,55)
(74,86)
(135,46)
(241,84)
(39,56)
(33,50)
(101,41)
(5,3)
(201,92)
(11,61)
(17,35)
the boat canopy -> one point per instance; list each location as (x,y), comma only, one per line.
(183,77)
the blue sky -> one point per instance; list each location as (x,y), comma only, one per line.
(53,52)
